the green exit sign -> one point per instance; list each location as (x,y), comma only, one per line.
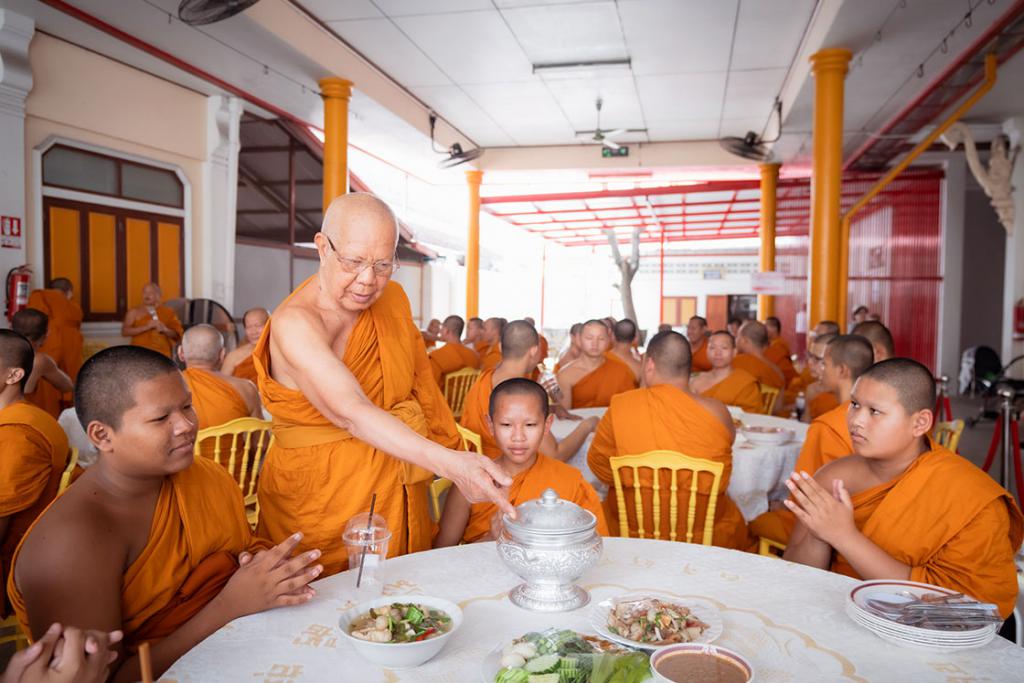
(608,152)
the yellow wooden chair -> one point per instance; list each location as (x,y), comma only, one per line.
(676,463)
(471,438)
(437,490)
(770,548)
(948,434)
(769,395)
(10,632)
(240,446)
(456,386)
(65,479)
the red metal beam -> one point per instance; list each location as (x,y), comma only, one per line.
(714,186)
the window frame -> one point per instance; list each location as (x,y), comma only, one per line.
(119,163)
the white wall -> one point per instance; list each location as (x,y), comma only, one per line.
(261,277)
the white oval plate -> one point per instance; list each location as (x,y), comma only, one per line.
(702,609)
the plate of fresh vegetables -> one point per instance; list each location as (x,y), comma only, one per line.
(564,656)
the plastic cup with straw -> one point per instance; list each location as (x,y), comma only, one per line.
(366,537)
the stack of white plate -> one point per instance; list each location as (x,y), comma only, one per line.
(902,634)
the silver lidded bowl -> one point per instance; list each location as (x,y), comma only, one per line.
(551,544)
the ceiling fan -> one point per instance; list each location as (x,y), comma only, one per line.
(605,136)
(201,12)
(753,146)
(456,155)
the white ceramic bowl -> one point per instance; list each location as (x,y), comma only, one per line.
(401,655)
(716,650)
(767,436)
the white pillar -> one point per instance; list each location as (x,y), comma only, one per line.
(15,82)
(1013,273)
(953,196)
(220,194)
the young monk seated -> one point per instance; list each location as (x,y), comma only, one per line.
(47,383)
(521,353)
(591,380)
(454,355)
(572,350)
(697,335)
(624,334)
(239,361)
(33,451)
(154,538)
(432,334)
(819,400)
(902,507)
(474,333)
(732,386)
(519,419)
(880,338)
(828,437)
(666,415)
(64,654)
(751,344)
(777,350)
(489,348)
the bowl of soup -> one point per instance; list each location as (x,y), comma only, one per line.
(400,632)
(700,663)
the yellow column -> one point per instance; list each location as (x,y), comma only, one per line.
(473,179)
(769,185)
(829,68)
(336,93)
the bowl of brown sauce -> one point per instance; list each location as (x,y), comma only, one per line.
(700,663)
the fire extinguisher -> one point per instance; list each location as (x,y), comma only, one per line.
(17,290)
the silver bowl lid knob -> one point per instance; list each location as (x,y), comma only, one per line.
(551,514)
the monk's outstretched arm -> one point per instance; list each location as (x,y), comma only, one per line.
(55,376)
(299,338)
(129,330)
(453,520)
(568,446)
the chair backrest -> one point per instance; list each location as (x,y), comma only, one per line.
(456,386)
(770,548)
(948,434)
(437,489)
(10,632)
(65,479)
(674,462)
(769,395)
(471,438)
(240,446)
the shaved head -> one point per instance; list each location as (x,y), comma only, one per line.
(576,328)
(625,331)
(879,336)
(519,386)
(493,328)
(61,283)
(670,352)
(913,382)
(358,212)
(824,339)
(517,339)
(106,383)
(453,324)
(851,351)
(826,327)
(202,344)
(755,332)
(724,334)
(31,324)
(16,352)
(773,324)
(259,315)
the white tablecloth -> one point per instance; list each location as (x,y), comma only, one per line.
(787,619)
(758,472)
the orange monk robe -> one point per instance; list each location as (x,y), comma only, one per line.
(950,522)
(317,476)
(738,389)
(778,353)
(198,530)
(245,369)
(595,389)
(546,473)
(663,417)
(215,402)
(452,357)
(699,359)
(151,339)
(34,451)
(475,410)
(64,337)
(764,371)
(821,404)
(543,344)
(481,347)
(798,384)
(490,357)
(46,397)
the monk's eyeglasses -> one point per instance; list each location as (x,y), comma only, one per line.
(355,266)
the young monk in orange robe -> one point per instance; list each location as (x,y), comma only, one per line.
(454,355)
(828,437)
(697,335)
(751,344)
(64,341)
(879,336)
(624,335)
(152,325)
(239,361)
(155,536)
(573,351)
(902,507)
(47,384)
(343,371)
(731,386)
(518,416)
(592,379)
(778,350)
(521,353)
(667,415)
(33,450)
(489,349)
(819,400)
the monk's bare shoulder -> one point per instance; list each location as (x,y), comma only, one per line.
(717,409)
(572,371)
(852,470)
(237,355)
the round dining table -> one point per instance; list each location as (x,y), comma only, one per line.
(785,618)
(758,471)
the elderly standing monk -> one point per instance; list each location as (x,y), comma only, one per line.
(454,355)
(64,341)
(152,325)
(591,380)
(344,373)
(239,361)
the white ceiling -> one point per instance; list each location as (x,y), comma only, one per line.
(700,69)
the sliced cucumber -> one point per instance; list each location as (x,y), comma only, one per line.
(543,678)
(542,665)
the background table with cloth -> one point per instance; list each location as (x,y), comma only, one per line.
(787,619)
(758,472)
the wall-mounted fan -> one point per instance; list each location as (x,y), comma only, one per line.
(456,155)
(201,12)
(753,146)
(605,136)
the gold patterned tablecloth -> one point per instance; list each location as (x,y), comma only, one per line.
(787,619)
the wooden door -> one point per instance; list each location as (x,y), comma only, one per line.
(677,310)
(718,312)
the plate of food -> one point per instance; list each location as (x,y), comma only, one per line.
(767,436)
(564,656)
(400,634)
(649,620)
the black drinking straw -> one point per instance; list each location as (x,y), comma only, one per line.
(369,529)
